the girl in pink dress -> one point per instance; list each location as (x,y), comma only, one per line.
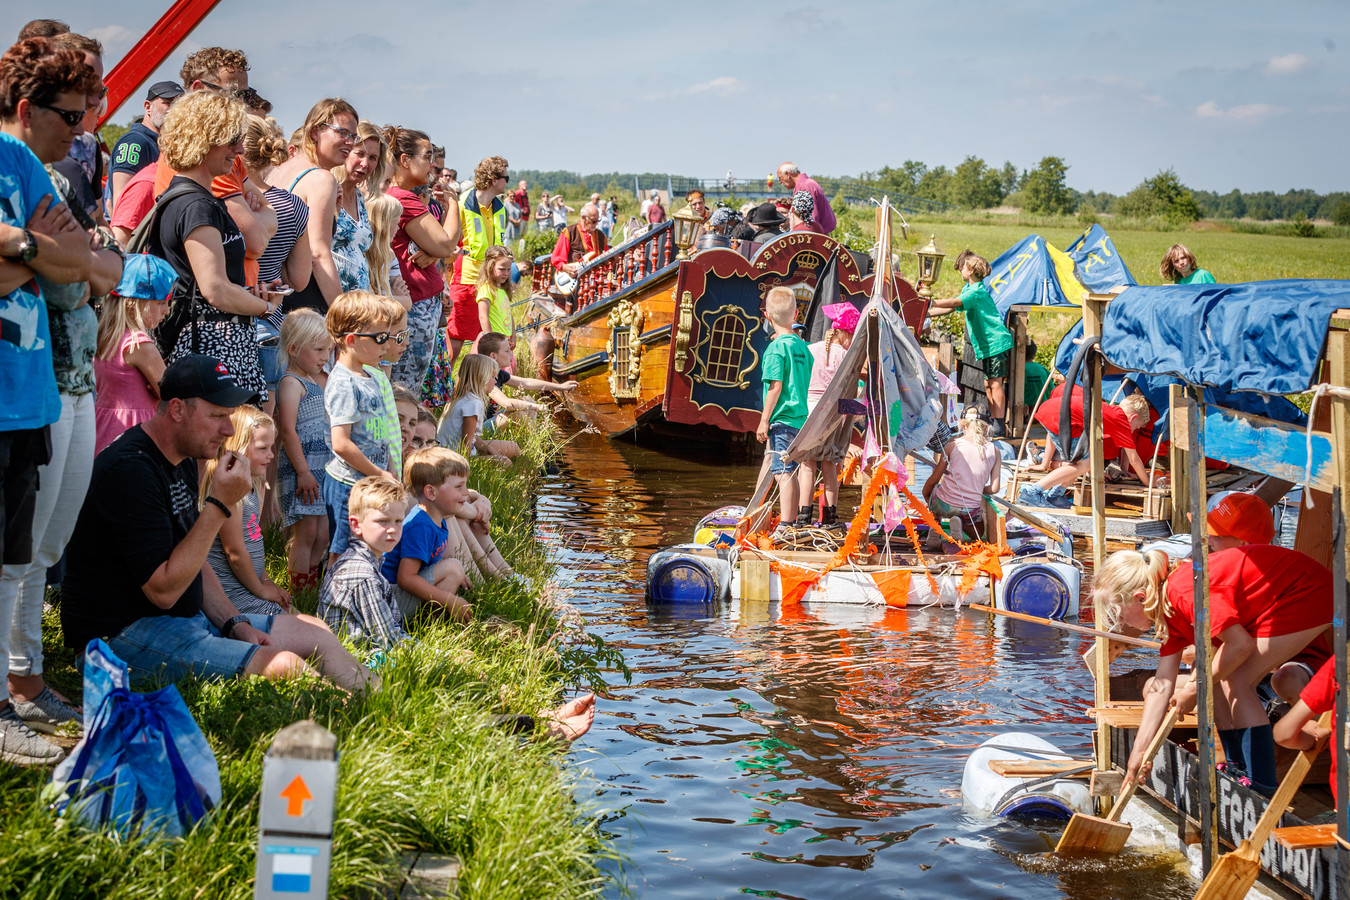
(127,365)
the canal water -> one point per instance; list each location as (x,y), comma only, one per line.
(814,754)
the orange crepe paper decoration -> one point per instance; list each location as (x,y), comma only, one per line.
(894,586)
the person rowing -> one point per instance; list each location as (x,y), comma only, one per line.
(1267,604)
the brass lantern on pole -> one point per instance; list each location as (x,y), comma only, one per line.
(930,262)
(686,223)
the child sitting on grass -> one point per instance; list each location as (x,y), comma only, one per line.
(424,431)
(236,555)
(501,407)
(461,426)
(422,564)
(355,599)
(358,603)
(787,374)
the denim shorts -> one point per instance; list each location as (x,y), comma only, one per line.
(335,496)
(269,352)
(781,435)
(168,648)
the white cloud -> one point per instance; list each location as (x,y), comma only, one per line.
(722,87)
(1289,64)
(116,41)
(1250,112)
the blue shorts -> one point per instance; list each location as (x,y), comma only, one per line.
(168,648)
(269,352)
(335,495)
(781,435)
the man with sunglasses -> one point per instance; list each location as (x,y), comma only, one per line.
(482,220)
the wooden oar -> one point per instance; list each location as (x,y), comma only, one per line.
(1097,834)
(1235,873)
(1066,626)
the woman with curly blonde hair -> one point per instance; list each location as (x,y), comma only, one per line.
(211,312)
(1266,604)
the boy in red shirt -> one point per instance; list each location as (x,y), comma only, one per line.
(1119,425)
(1297,728)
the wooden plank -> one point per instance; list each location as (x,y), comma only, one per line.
(1128,716)
(1306,837)
(1094,309)
(1025,768)
(1314,525)
(1176,401)
(1118,528)
(755,579)
(1263,445)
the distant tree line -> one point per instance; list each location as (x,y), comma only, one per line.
(974,184)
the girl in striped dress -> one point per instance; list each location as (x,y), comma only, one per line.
(303,425)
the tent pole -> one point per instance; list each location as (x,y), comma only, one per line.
(1204,649)
(1094,309)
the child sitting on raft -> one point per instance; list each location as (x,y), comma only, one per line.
(1267,603)
(969,467)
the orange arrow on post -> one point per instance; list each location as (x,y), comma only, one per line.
(295,795)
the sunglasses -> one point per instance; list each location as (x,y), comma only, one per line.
(71,117)
(382,337)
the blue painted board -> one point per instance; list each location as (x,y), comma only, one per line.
(1262,445)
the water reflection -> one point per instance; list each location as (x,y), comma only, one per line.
(810,753)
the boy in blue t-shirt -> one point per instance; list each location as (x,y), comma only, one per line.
(786,373)
(419,565)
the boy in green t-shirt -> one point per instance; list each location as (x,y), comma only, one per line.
(1034,379)
(988,336)
(786,372)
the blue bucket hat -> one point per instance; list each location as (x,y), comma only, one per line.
(146,277)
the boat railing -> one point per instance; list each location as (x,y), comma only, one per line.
(614,271)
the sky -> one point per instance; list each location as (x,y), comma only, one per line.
(1235,94)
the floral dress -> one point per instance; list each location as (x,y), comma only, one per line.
(351,239)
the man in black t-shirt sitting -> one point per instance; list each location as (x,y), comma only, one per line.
(137,573)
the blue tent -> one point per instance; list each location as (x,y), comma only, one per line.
(1097,263)
(1026,274)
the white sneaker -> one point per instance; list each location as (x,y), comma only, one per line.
(21,745)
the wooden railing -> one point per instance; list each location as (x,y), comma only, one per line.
(617,269)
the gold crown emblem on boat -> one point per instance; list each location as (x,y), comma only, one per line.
(809,260)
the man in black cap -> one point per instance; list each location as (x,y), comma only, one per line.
(139,147)
(767,221)
(137,573)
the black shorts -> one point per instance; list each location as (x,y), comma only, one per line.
(996,366)
(21,453)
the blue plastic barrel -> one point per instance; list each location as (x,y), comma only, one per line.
(1036,590)
(683,579)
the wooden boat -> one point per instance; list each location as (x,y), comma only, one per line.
(673,346)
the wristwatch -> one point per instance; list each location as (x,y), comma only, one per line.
(227,629)
(27,250)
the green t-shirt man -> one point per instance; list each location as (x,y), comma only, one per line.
(1034,380)
(985,330)
(789,361)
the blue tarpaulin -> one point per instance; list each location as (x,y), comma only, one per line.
(1097,263)
(1246,343)
(1262,336)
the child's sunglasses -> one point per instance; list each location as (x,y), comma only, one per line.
(382,337)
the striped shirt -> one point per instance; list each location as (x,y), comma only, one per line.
(356,602)
(292,219)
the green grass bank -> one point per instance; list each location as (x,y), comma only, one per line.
(423,767)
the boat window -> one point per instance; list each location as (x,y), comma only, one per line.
(726,346)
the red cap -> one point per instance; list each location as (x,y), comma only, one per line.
(1242,516)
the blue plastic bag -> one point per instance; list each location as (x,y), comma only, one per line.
(143,765)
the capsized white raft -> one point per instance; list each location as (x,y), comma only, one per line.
(1036,796)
